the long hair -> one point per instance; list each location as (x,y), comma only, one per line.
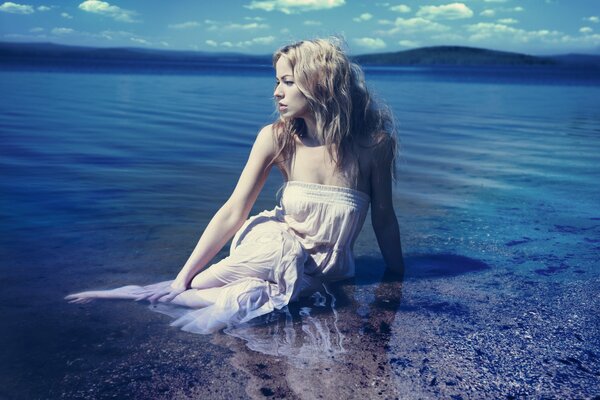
(345,113)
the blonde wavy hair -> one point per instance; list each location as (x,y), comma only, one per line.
(345,113)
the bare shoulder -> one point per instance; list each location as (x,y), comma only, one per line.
(267,131)
(266,139)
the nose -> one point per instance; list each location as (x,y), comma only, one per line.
(278,92)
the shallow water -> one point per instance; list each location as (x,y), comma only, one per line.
(108,179)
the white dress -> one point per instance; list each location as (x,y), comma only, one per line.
(276,254)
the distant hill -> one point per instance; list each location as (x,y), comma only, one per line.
(455,56)
(140,58)
(39,52)
(472,56)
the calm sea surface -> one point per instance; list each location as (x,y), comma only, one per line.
(109,179)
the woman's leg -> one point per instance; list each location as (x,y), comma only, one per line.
(190,298)
(130,292)
(207,279)
(196,298)
(255,258)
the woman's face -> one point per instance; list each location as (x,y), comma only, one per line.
(291,103)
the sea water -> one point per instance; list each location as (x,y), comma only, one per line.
(109,179)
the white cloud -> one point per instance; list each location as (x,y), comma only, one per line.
(385,22)
(507,21)
(252,25)
(514,9)
(401,8)
(284,31)
(140,41)
(111,34)
(414,25)
(117,33)
(408,43)
(371,43)
(104,8)
(66,15)
(487,13)
(43,8)
(62,31)
(446,11)
(263,40)
(185,25)
(586,29)
(259,40)
(363,17)
(165,44)
(312,23)
(216,25)
(586,40)
(15,8)
(294,6)
(593,19)
(36,30)
(486,30)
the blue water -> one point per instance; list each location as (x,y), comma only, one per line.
(109,179)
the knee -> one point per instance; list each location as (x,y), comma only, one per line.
(205,280)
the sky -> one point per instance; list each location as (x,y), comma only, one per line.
(260,26)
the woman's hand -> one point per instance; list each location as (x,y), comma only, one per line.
(165,294)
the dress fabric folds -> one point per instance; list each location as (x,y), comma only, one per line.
(277,254)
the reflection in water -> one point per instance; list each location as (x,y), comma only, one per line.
(303,333)
(342,340)
(313,329)
(337,340)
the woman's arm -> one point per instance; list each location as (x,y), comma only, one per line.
(232,215)
(383,217)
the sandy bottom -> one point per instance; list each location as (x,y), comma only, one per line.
(453,328)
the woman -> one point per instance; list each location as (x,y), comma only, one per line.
(335,149)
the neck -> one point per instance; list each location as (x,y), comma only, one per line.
(311,131)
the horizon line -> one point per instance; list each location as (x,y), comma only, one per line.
(269,54)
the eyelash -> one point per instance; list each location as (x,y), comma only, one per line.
(289,83)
